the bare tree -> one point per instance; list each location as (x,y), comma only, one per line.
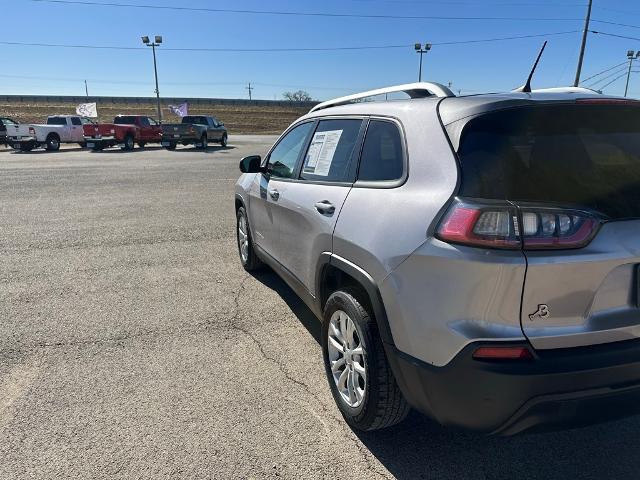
(299,96)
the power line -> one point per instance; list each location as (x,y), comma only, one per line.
(617,78)
(615,35)
(604,79)
(617,24)
(301,49)
(603,71)
(297,14)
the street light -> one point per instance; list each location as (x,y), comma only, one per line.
(631,55)
(156,43)
(421,49)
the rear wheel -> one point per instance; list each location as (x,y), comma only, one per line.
(204,142)
(129,143)
(53,142)
(98,147)
(248,257)
(142,144)
(171,146)
(223,142)
(356,366)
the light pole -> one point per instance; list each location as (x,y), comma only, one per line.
(421,50)
(631,55)
(153,45)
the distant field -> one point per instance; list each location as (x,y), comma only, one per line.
(239,119)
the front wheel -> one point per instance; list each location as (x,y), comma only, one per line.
(129,143)
(356,366)
(223,142)
(204,142)
(248,257)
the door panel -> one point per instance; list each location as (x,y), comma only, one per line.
(586,296)
(306,230)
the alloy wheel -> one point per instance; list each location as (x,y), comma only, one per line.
(347,358)
(243,238)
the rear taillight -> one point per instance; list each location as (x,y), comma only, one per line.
(505,226)
(551,228)
(32,131)
(482,226)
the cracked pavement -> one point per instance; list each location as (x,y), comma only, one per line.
(133,344)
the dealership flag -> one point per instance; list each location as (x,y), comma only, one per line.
(181,110)
(87,110)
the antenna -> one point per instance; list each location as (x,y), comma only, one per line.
(526,88)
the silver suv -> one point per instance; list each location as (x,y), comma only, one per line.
(475,258)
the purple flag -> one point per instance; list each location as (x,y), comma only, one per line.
(181,110)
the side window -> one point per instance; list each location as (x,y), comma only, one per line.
(329,154)
(75,121)
(144,122)
(382,157)
(283,158)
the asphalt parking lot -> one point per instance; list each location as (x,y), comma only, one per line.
(133,344)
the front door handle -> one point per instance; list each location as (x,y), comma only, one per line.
(274,194)
(325,207)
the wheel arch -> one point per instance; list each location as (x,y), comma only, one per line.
(335,273)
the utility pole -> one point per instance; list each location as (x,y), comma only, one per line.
(153,45)
(86,88)
(421,50)
(631,55)
(250,88)
(585,32)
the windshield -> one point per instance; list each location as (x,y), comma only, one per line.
(573,155)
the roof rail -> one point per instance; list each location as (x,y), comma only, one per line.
(566,90)
(414,90)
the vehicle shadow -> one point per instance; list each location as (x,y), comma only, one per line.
(116,149)
(419,448)
(210,149)
(42,151)
(268,277)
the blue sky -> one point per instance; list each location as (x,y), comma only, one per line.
(472,67)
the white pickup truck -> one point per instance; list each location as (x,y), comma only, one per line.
(58,129)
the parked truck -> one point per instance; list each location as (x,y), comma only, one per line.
(126,131)
(196,130)
(5,125)
(59,129)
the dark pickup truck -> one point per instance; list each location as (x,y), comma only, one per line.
(4,123)
(195,130)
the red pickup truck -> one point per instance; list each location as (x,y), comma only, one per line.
(126,131)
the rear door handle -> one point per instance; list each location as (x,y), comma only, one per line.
(325,207)
(274,194)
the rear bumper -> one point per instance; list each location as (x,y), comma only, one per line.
(102,140)
(558,389)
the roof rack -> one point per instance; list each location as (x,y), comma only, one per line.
(414,90)
(566,90)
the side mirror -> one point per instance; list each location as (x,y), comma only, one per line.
(221,124)
(251,164)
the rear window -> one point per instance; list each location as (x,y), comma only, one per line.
(56,121)
(125,120)
(568,155)
(195,120)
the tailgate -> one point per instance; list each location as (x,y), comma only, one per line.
(100,130)
(587,296)
(176,129)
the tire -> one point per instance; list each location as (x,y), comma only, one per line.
(53,142)
(83,144)
(204,142)
(223,141)
(141,144)
(376,401)
(129,143)
(171,146)
(98,148)
(248,258)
